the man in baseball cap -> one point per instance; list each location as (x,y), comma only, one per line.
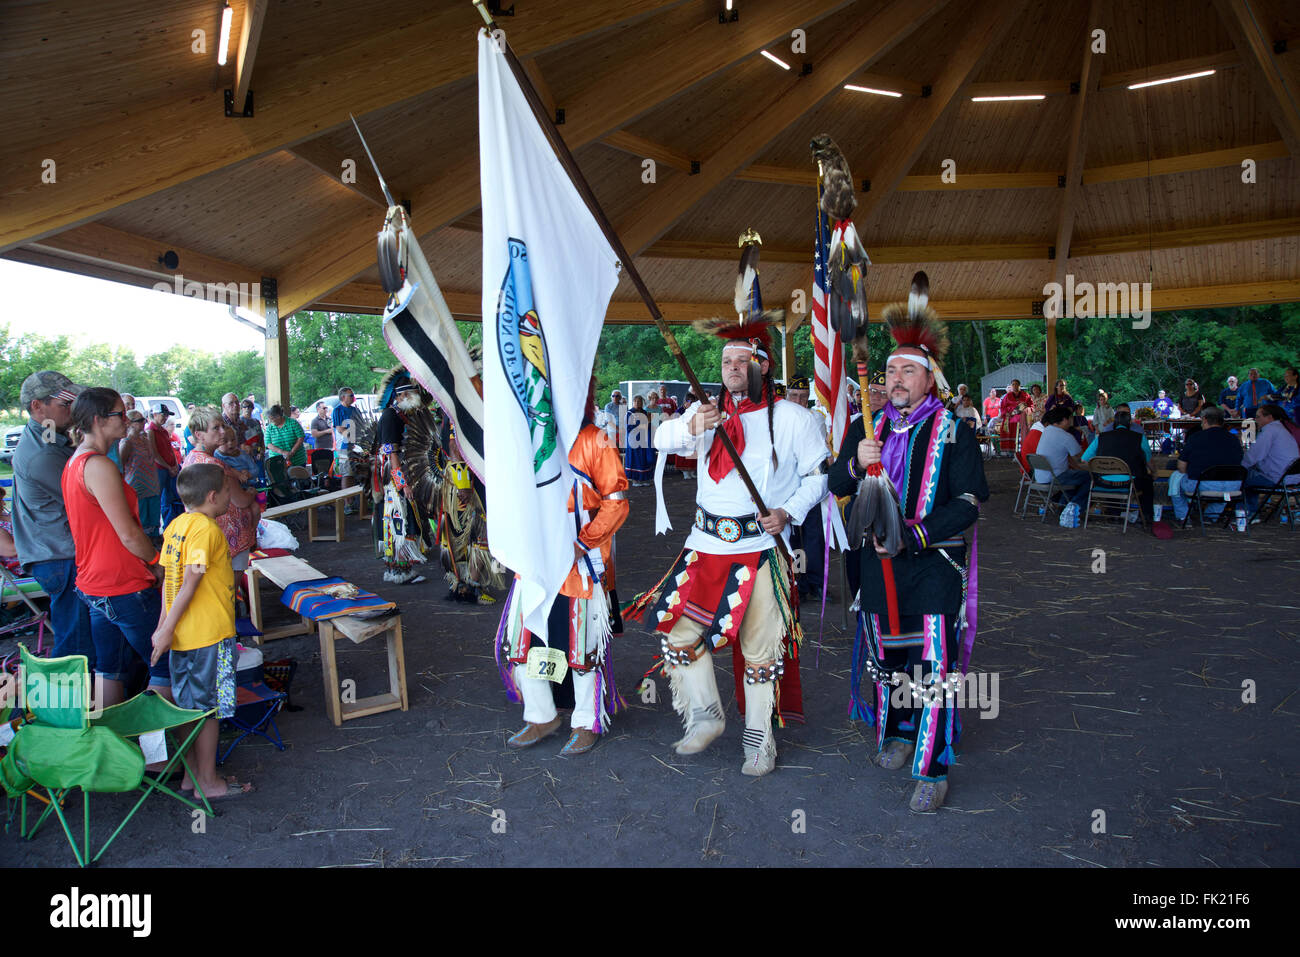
(41,531)
(169,466)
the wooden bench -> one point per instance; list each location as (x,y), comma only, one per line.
(337,499)
(283,572)
(287,570)
(358,630)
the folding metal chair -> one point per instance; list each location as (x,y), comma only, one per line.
(1287,495)
(1109,489)
(1045,491)
(1202,497)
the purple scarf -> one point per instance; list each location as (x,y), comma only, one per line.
(894,455)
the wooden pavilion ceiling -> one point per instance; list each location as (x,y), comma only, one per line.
(147,161)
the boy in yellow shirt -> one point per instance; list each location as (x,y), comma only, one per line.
(198,618)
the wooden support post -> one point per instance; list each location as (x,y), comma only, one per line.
(1049,386)
(277,346)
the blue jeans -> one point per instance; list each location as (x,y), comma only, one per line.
(122,625)
(1077,483)
(1187,489)
(171,504)
(1255,480)
(69,619)
(150,509)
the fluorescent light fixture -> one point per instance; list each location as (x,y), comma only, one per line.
(1170,79)
(728,6)
(868,89)
(781,63)
(1008,99)
(224,42)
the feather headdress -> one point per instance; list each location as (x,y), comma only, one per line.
(915,324)
(753,333)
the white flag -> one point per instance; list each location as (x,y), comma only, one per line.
(548,274)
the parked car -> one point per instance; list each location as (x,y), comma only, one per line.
(10,443)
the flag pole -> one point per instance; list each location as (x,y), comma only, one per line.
(579,181)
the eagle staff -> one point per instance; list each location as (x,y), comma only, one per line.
(875,507)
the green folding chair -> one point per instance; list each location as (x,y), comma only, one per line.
(62,748)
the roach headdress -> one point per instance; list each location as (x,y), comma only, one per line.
(914,324)
(758,387)
(754,334)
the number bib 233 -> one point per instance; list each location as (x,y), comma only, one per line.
(549,664)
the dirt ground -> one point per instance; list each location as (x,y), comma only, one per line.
(1121,737)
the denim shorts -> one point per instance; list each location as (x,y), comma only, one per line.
(122,626)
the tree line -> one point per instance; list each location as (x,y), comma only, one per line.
(329,350)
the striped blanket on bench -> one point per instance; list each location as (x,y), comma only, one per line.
(308,598)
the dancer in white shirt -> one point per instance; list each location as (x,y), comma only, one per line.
(731,584)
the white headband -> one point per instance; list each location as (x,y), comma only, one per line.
(745,344)
(919,360)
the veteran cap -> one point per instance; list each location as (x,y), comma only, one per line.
(46,385)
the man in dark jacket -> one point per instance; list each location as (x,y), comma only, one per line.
(1123,443)
(914,597)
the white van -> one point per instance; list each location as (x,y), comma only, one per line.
(180,417)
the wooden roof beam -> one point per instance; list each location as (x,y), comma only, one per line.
(648,149)
(855,51)
(362,298)
(119,161)
(1136,242)
(1279,91)
(249,36)
(1189,163)
(630,88)
(898,151)
(114,249)
(328,160)
(1075,151)
(1128,242)
(1121,80)
(931,182)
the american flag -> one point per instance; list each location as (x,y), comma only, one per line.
(828,350)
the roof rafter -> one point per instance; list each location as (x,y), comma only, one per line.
(117,162)
(932,182)
(328,160)
(855,51)
(129,254)
(899,151)
(250,34)
(1075,152)
(1279,91)
(627,90)
(883,255)
(365,298)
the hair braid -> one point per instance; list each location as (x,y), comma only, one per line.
(770,390)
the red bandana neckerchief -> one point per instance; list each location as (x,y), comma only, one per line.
(720,463)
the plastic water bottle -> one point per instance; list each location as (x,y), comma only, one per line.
(1241,519)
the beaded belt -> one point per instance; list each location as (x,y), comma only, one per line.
(728,529)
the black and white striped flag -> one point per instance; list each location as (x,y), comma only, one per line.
(420,330)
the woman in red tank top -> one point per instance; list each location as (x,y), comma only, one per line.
(117,570)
